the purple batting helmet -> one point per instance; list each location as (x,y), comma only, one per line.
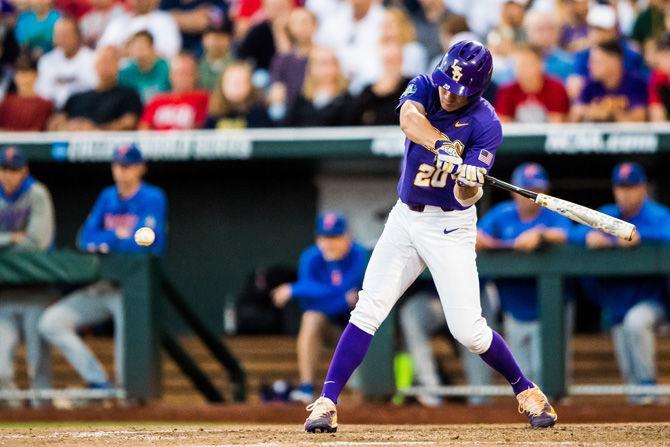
(465,70)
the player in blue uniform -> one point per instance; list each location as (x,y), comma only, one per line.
(452,136)
(633,306)
(119,211)
(329,278)
(522,225)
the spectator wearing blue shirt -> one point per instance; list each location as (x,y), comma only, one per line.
(330,275)
(633,306)
(34,27)
(524,226)
(603,27)
(118,213)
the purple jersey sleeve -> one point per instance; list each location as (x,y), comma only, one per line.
(418,90)
(485,141)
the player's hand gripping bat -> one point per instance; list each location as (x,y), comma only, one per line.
(578,213)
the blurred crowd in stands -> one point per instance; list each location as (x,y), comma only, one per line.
(176,64)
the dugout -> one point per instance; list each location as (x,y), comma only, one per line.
(242,199)
(246,198)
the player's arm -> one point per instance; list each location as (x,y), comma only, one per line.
(635,114)
(40,230)
(127,121)
(93,236)
(416,127)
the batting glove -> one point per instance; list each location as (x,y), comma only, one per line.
(447,158)
(468,175)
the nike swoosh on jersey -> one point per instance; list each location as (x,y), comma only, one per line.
(449,231)
(460,124)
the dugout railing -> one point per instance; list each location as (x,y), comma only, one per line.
(333,143)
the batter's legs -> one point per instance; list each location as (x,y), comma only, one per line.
(393,267)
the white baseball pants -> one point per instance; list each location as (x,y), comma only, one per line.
(445,243)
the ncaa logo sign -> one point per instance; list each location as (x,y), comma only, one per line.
(456,71)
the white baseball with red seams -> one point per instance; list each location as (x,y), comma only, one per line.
(145,236)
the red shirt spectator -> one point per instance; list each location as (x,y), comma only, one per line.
(25,110)
(182,108)
(21,113)
(514,103)
(174,111)
(74,8)
(534,97)
(659,83)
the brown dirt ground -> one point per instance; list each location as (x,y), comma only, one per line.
(628,435)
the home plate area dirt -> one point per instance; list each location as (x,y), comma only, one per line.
(348,435)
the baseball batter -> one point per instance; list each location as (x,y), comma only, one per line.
(452,135)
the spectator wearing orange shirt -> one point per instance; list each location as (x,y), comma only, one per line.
(533,97)
(24,110)
(184,107)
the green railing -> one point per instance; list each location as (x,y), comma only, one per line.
(328,143)
(138,278)
(145,292)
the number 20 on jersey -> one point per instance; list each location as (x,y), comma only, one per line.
(429,175)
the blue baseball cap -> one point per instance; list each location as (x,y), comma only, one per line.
(530,175)
(628,174)
(128,154)
(331,224)
(13,158)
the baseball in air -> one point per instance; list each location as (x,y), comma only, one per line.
(145,236)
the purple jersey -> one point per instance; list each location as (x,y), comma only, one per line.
(631,92)
(475,131)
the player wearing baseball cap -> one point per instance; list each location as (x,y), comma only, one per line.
(329,278)
(119,211)
(522,225)
(634,306)
(26,223)
(452,135)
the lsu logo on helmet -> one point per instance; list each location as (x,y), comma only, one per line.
(456,71)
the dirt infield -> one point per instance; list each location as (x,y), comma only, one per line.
(628,435)
(374,414)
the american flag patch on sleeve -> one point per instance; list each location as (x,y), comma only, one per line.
(485,157)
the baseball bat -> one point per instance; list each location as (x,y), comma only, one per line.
(578,213)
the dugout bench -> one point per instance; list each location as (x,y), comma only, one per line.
(550,267)
(147,289)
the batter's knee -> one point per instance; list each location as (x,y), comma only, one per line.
(368,314)
(476,337)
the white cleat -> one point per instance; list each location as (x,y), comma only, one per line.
(323,416)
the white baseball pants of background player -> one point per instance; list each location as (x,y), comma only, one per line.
(443,241)
(20,310)
(85,307)
(635,345)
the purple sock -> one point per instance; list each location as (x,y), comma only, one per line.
(350,351)
(501,359)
